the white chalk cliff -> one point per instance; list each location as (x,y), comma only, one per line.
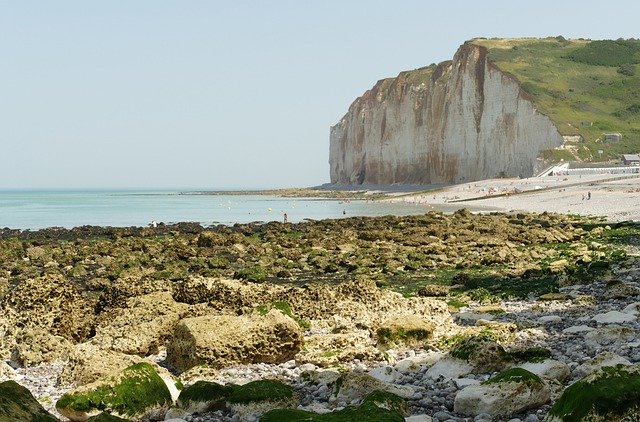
(460,121)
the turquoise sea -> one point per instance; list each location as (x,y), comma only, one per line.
(33,210)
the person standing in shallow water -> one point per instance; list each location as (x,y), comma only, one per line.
(588,195)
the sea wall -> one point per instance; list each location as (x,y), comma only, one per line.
(460,121)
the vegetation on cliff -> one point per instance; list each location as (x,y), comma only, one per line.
(587,88)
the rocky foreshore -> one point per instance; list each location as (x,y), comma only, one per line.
(462,317)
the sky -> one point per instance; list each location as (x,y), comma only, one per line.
(226,94)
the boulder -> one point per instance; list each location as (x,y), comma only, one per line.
(225,340)
(18,404)
(203,396)
(35,345)
(354,386)
(248,402)
(88,363)
(136,392)
(332,349)
(508,393)
(599,361)
(548,369)
(617,289)
(408,330)
(53,304)
(450,368)
(611,393)
(143,326)
(614,317)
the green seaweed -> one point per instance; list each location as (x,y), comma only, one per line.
(260,390)
(608,393)
(387,336)
(514,375)
(534,354)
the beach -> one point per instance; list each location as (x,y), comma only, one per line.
(615,197)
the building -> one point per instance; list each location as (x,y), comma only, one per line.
(612,137)
(631,159)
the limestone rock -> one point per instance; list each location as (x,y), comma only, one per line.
(407,330)
(506,394)
(449,367)
(224,340)
(18,404)
(609,334)
(143,326)
(36,345)
(136,392)
(356,385)
(617,289)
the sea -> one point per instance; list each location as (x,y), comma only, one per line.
(38,209)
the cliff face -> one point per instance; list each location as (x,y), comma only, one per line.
(461,121)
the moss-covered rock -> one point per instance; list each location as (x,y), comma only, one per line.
(378,406)
(482,353)
(203,396)
(138,390)
(18,404)
(609,394)
(253,399)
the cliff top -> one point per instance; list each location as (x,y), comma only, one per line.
(586,87)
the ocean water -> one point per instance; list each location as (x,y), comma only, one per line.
(40,209)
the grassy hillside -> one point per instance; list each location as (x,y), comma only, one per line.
(586,87)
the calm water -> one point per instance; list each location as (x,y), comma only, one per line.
(40,209)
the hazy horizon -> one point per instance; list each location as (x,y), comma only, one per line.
(201,95)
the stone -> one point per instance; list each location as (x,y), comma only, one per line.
(600,361)
(417,362)
(575,329)
(617,289)
(506,394)
(449,368)
(136,392)
(18,404)
(385,374)
(610,334)
(550,319)
(354,386)
(547,297)
(548,369)
(202,396)
(613,317)
(611,393)
(224,340)
(250,401)
(143,326)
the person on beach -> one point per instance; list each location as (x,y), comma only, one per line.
(589,195)
(286,218)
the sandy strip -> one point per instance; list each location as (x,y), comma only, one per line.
(616,197)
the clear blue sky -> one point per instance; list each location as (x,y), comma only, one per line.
(212,94)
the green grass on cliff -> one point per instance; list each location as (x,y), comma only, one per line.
(586,87)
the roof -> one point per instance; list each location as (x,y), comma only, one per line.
(631,157)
